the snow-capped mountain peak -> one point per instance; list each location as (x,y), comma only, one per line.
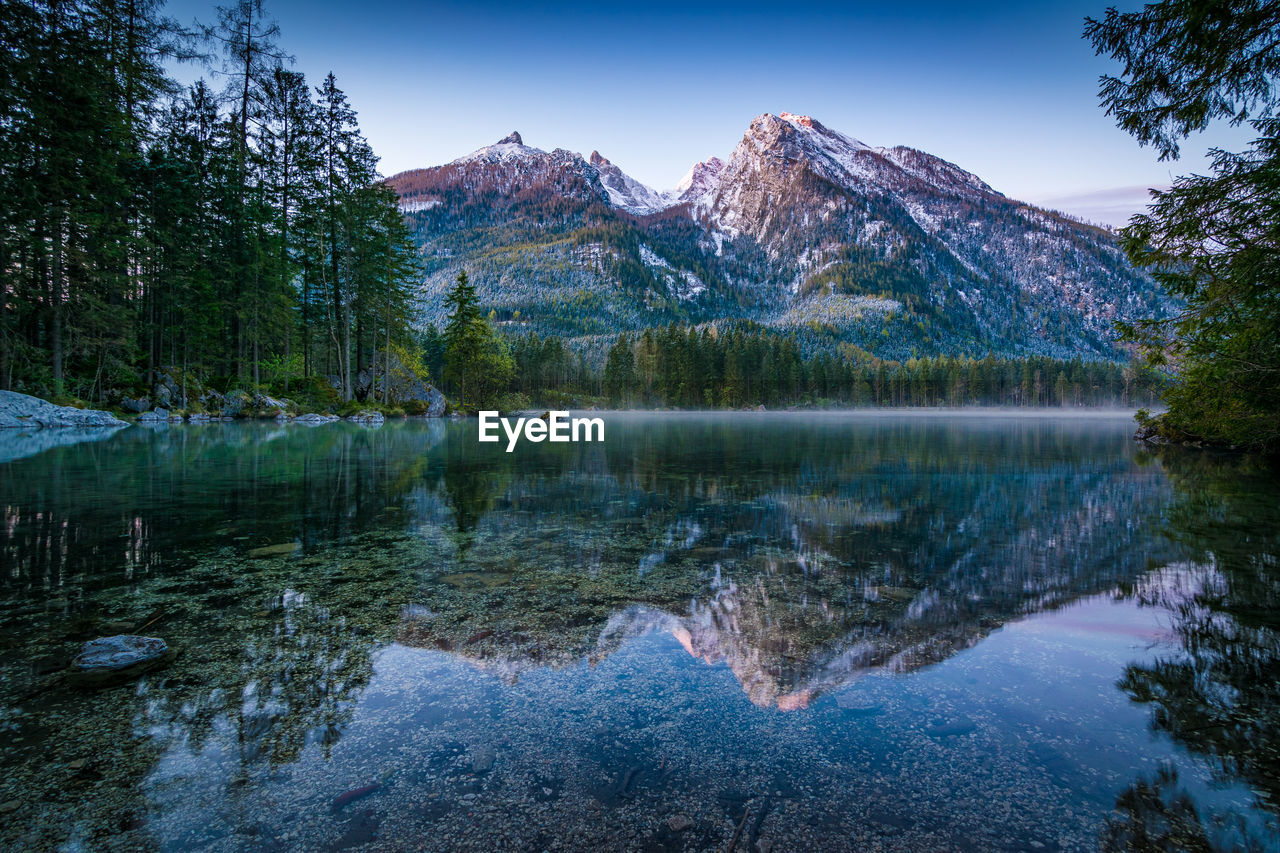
(697,182)
(831,138)
(892,249)
(509,147)
(625,192)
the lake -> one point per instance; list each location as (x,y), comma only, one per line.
(790,631)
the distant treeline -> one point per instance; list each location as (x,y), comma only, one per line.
(746,365)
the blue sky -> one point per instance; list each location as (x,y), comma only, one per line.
(1005,90)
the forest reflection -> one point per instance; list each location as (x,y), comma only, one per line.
(1217,693)
(802,555)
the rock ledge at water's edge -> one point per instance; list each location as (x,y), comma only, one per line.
(23,410)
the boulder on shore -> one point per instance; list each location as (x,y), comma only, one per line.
(271,405)
(176,388)
(393,382)
(23,410)
(367,417)
(313,418)
(110,660)
(234,403)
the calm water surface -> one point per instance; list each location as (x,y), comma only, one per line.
(766,632)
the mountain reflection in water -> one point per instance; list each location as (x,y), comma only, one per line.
(398,638)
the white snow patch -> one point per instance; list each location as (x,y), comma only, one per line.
(684,284)
(502,152)
(418,205)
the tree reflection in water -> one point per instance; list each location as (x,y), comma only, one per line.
(801,554)
(1218,695)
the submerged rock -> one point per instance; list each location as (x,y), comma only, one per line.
(349,797)
(482,758)
(275,550)
(679,822)
(110,660)
(23,410)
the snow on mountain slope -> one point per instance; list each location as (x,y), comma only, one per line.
(510,147)
(834,215)
(697,182)
(802,227)
(504,172)
(625,192)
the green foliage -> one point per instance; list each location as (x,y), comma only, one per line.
(148,229)
(316,394)
(476,359)
(743,365)
(1212,240)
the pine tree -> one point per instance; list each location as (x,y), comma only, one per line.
(1211,240)
(476,360)
(619,372)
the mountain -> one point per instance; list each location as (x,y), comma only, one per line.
(625,192)
(803,229)
(698,181)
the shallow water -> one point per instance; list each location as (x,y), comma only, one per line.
(861,632)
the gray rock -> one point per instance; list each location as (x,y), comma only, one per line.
(679,822)
(157,415)
(313,418)
(367,417)
(395,383)
(22,410)
(482,758)
(235,402)
(169,390)
(135,405)
(436,402)
(268,404)
(110,660)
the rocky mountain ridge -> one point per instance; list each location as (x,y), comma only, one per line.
(802,228)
